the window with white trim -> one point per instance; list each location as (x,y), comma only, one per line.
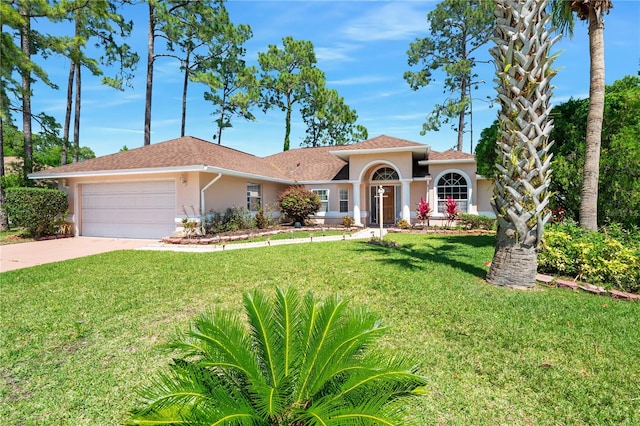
(453,185)
(343,197)
(323,195)
(254,197)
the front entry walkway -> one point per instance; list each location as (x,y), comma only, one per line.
(24,255)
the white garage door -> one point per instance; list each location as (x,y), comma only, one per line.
(129,209)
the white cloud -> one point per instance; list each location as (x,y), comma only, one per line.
(367,79)
(391,21)
(340,52)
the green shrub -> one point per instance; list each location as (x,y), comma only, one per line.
(233,219)
(298,203)
(403,224)
(261,220)
(36,209)
(595,257)
(474,221)
(348,221)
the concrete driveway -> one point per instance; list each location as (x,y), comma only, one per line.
(24,255)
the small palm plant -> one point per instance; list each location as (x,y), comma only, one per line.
(299,362)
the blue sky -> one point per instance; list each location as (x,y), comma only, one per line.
(360,45)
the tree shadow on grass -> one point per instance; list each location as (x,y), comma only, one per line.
(456,251)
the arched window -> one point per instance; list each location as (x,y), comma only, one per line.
(453,185)
(385,173)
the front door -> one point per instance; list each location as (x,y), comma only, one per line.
(388,204)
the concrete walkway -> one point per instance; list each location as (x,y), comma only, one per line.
(24,255)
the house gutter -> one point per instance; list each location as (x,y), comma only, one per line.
(214,180)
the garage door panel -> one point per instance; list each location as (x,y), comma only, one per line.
(129,209)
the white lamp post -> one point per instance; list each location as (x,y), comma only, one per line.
(380,197)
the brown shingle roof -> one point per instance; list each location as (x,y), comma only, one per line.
(305,164)
(450,154)
(302,164)
(381,142)
(181,152)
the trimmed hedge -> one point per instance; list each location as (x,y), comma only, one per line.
(605,258)
(36,209)
(474,221)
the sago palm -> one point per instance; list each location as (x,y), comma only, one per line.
(299,361)
(521,191)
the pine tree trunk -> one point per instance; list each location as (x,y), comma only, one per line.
(4,220)
(591,172)
(76,117)
(149,87)
(287,124)
(25,44)
(185,86)
(67,115)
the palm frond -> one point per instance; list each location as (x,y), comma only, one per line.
(320,334)
(263,332)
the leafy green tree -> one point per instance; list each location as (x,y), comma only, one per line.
(17,16)
(486,155)
(99,22)
(233,85)
(593,12)
(179,23)
(521,189)
(289,75)
(329,120)
(457,30)
(195,27)
(619,165)
(298,361)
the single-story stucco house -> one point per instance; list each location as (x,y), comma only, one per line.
(146,192)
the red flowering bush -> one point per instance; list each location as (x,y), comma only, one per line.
(423,211)
(451,210)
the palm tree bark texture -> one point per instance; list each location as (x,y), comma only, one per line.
(521,190)
(593,12)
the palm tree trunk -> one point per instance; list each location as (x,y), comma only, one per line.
(591,172)
(514,265)
(521,189)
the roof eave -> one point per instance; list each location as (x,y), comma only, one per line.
(156,170)
(462,160)
(344,154)
(100,173)
(235,173)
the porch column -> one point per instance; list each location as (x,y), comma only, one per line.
(406,197)
(356,203)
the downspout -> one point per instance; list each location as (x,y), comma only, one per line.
(214,180)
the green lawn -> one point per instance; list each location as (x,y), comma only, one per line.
(79,336)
